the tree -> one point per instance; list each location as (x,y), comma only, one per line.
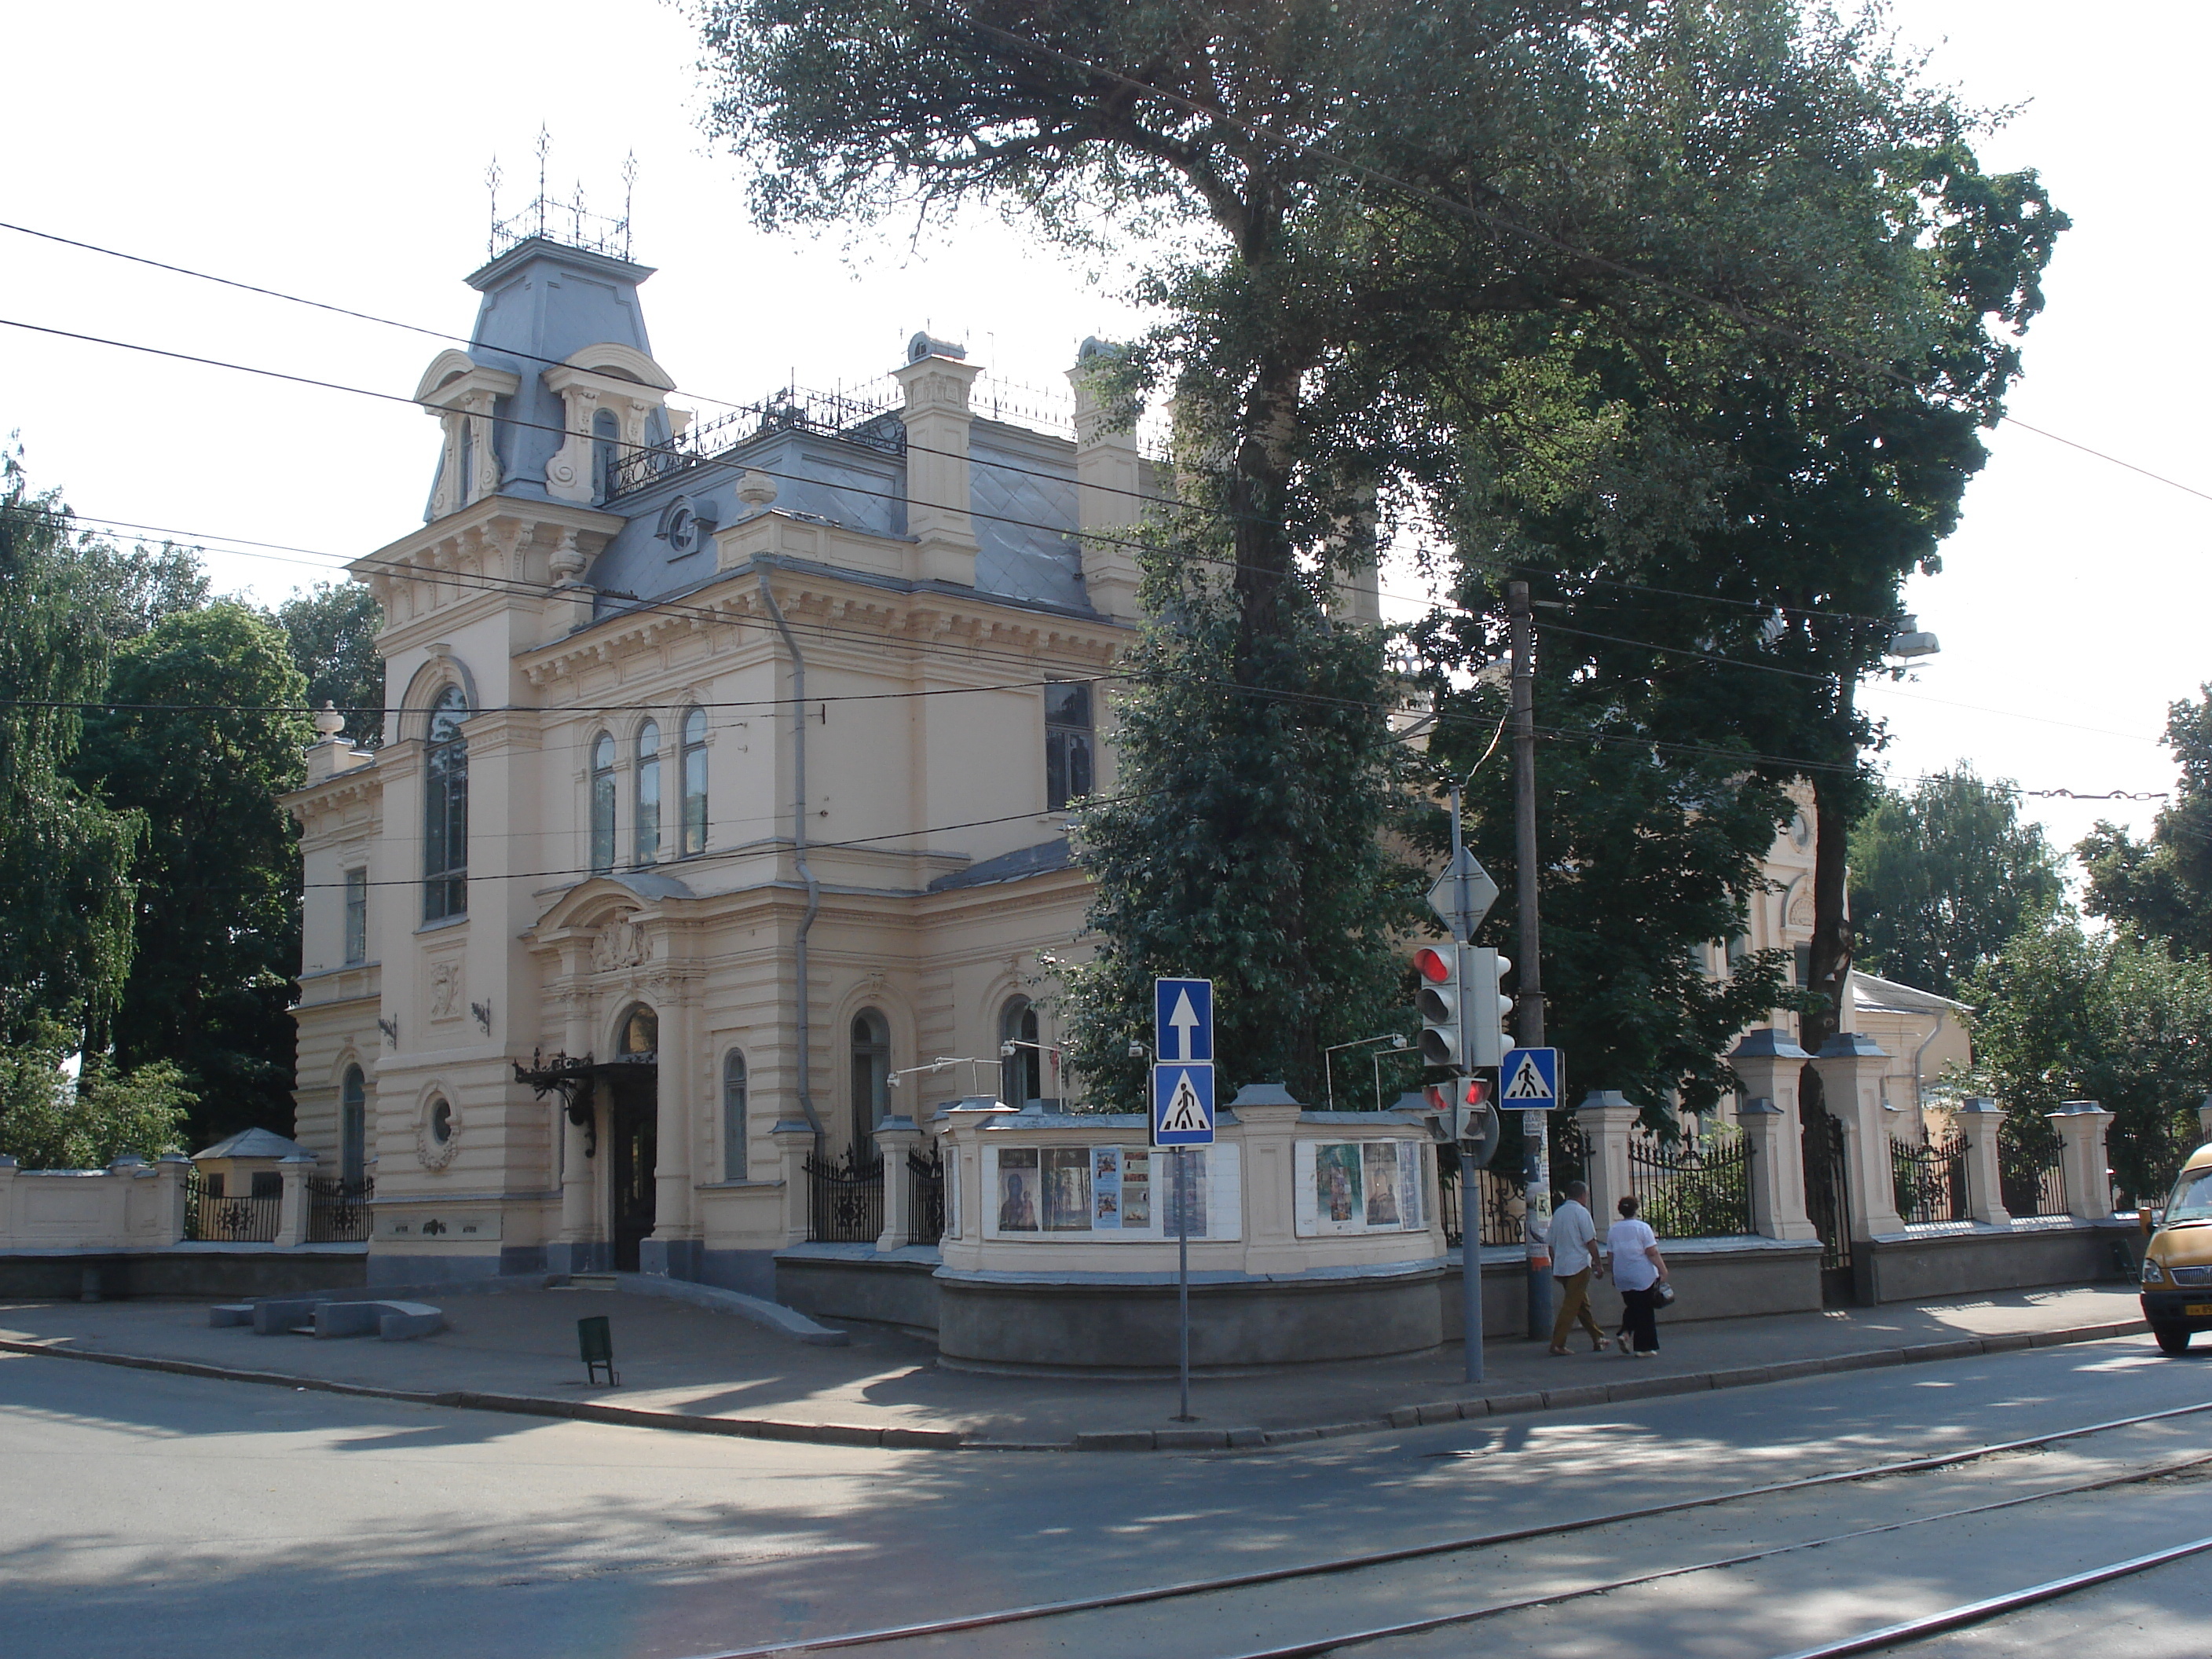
(2060,1016)
(333,628)
(1942,877)
(2162,888)
(50,1121)
(201,741)
(65,888)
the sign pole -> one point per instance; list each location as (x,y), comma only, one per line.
(1182,1275)
(1470,1178)
(1528,1022)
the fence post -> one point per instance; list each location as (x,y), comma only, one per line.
(292,1213)
(1978,1120)
(895,1137)
(2083,1163)
(1850,1066)
(1767,1063)
(174,1172)
(7,1230)
(795,1144)
(1606,1115)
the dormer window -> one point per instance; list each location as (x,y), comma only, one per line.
(606,439)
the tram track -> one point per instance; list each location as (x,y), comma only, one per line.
(920,1631)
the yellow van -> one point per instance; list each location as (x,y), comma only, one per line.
(2177,1270)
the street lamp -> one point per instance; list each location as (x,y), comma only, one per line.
(1395,1039)
(1909,642)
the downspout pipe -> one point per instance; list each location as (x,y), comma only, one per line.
(1938,1030)
(805,870)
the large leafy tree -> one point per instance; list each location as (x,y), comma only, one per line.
(202,736)
(49,1121)
(2162,888)
(1942,876)
(332,628)
(65,856)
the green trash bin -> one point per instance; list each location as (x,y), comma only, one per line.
(596,1342)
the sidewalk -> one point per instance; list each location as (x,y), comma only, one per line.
(689,1368)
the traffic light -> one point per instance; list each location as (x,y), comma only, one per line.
(1487,1007)
(1437,1001)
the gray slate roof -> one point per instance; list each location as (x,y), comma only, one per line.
(1039,861)
(254,1143)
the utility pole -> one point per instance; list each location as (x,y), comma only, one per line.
(1470,1178)
(1528,1010)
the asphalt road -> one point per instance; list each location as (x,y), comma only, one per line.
(146,1512)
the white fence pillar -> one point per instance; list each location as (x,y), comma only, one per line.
(794,1145)
(2083,1163)
(174,1171)
(895,1137)
(1767,1063)
(292,1213)
(1606,1115)
(1850,1065)
(1978,1120)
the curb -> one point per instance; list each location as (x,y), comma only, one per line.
(1119,1440)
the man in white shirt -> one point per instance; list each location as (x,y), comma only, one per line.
(1573,1239)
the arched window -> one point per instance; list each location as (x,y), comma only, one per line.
(603,803)
(733,1116)
(606,435)
(353,1126)
(640,1037)
(1021,1071)
(648,791)
(872,1077)
(445,809)
(695,781)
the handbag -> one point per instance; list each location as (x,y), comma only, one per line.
(1662,1295)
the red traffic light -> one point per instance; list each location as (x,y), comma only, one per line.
(1478,1091)
(1433,965)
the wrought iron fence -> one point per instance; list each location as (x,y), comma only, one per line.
(1497,1191)
(844,1200)
(2029,1182)
(338,1210)
(1692,1189)
(2145,1153)
(866,415)
(1930,1179)
(924,1176)
(214,1218)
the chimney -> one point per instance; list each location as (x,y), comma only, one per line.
(936,381)
(1108,484)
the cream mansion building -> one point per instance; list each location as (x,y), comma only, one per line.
(723,781)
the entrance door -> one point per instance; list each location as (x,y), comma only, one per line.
(1828,1205)
(632,1126)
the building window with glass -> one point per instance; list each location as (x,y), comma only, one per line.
(353,1128)
(733,1116)
(1021,1073)
(445,809)
(695,781)
(356,916)
(648,791)
(603,803)
(1068,744)
(872,1077)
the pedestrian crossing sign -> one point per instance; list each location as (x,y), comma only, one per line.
(1182,1105)
(1528,1081)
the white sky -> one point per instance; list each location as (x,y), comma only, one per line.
(339,153)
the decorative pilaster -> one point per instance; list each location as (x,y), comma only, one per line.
(1767,1062)
(1108,471)
(1607,1116)
(1850,1065)
(1978,1120)
(292,1213)
(936,383)
(794,1145)
(173,1170)
(676,1131)
(895,1137)
(2082,1161)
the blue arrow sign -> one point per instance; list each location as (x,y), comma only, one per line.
(1183,1020)
(1528,1081)
(1183,1105)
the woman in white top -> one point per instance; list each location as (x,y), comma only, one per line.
(1638,1270)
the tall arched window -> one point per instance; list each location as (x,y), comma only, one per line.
(353,1128)
(872,1077)
(733,1116)
(640,1036)
(1021,1073)
(648,791)
(606,435)
(695,781)
(445,809)
(603,803)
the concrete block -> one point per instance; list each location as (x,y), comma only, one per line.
(403,1321)
(231,1313)
(1502,1403)
(1443,1411)
(1249,1437)
(1115,1440)
(1406,1416)
(334,1319)
(278,1318)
